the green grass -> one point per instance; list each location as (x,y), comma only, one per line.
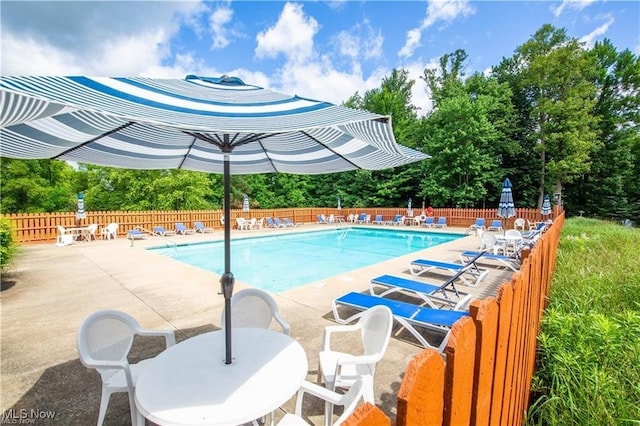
(588,369)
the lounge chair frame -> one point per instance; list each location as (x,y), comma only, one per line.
(435,296)
(421,266)
(408,315)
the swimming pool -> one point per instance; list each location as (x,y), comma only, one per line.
(277,263)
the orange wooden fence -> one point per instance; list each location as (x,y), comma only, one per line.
(43,227)
(484,376)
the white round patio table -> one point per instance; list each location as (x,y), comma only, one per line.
(189,383)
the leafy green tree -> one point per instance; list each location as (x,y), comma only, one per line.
(37,186)
(556,74)
(610,188)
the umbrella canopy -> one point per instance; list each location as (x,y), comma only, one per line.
(546,206)
(245,203)
(506,207)
(199,123)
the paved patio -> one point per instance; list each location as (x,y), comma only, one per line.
(50,290)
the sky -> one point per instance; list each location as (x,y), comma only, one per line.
(326,50)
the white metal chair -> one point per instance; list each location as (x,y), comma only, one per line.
(253,307)
(110,231)
(340,369)
(349,400)
(104,341)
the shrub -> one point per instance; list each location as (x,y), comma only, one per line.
(7,243)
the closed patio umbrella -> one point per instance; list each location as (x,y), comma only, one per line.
(506,207)
(205,124)
(80,214)
(245,203)
(546,206)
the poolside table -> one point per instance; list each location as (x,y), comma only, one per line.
(189,383)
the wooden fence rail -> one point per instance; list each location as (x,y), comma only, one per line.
(489,361)
(43,227)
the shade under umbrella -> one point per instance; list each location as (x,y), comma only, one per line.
(199,123)
(506,207)
(546,206)
(245,203)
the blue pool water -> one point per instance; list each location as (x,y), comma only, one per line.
(281,262)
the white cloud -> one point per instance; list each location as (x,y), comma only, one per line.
(292,36)
(360,41)
(420,97)
(217,24)
(444,11)
(577,5)
(589,39)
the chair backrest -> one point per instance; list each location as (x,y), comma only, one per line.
(61,230)
(488,241)
(376,324)
(429,220)
(198,225)
(106,336)
(519,223)
(497,223)
(480,222)
(442,220)
(253,307)
(112,227)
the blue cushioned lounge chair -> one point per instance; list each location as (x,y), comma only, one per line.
(182,229)
(502,260)
(441,223)
(496,225)
(378,219)
(408,315)
(445,295)
(199,227)
(429,222)
(161,231)
(470,269)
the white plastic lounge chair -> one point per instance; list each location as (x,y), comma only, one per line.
(502,260)
(421,266)
(288,223)
(253,307)
(429,222)
(478,224)
(104,341)
(397,220)
(441,223)
(348,400)
(199,227)
(496,225)
(110,231)
(340,369)
(408,315)
(321,219)
(436,296)
(65,238)
(161,231)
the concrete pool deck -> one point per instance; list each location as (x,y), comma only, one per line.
(50,290)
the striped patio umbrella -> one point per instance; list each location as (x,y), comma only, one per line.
(80,214)
(216,125)
(546,206)
(506,207)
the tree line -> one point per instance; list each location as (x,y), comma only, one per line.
(556,118)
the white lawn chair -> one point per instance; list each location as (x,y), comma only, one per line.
(104,341)
(253,307)
(340,369)
(349,400)
(110,231)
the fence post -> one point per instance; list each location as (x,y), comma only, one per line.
(421,394)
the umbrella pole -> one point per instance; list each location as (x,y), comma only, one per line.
(227,279)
